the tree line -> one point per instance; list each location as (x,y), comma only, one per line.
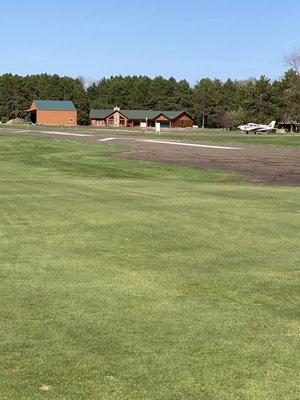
(211,102)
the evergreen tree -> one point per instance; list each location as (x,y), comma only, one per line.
(211,102)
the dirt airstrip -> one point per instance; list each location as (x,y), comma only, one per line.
(263,164)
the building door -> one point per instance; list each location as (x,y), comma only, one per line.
(32,116)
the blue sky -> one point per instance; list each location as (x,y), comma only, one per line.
(187,39)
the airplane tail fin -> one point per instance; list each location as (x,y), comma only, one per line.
(272,124)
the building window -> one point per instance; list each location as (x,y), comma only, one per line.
(71,119)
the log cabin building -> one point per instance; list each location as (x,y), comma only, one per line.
(53,112)
(130,118)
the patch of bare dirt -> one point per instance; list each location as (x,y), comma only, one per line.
(263,164)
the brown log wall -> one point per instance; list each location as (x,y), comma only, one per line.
(183,121)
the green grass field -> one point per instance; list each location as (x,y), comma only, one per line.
(236,138)
(190,135)
(212,135)
(215,136)
(127,280)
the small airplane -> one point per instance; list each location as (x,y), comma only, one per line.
(255,128)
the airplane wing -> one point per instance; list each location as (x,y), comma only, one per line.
(264,129)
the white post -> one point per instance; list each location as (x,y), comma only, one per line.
(157,128)
(143,126)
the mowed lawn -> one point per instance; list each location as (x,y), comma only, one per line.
(127,280)
(209,135)
(279,140)
(189,135)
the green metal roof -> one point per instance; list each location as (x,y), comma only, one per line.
(134,114)
(100,114)
(55,105)
(139,114)
(172,114)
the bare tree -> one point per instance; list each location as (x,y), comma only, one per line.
(222,120)
(292,60)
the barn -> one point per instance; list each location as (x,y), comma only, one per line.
(128,118)
(53,112)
